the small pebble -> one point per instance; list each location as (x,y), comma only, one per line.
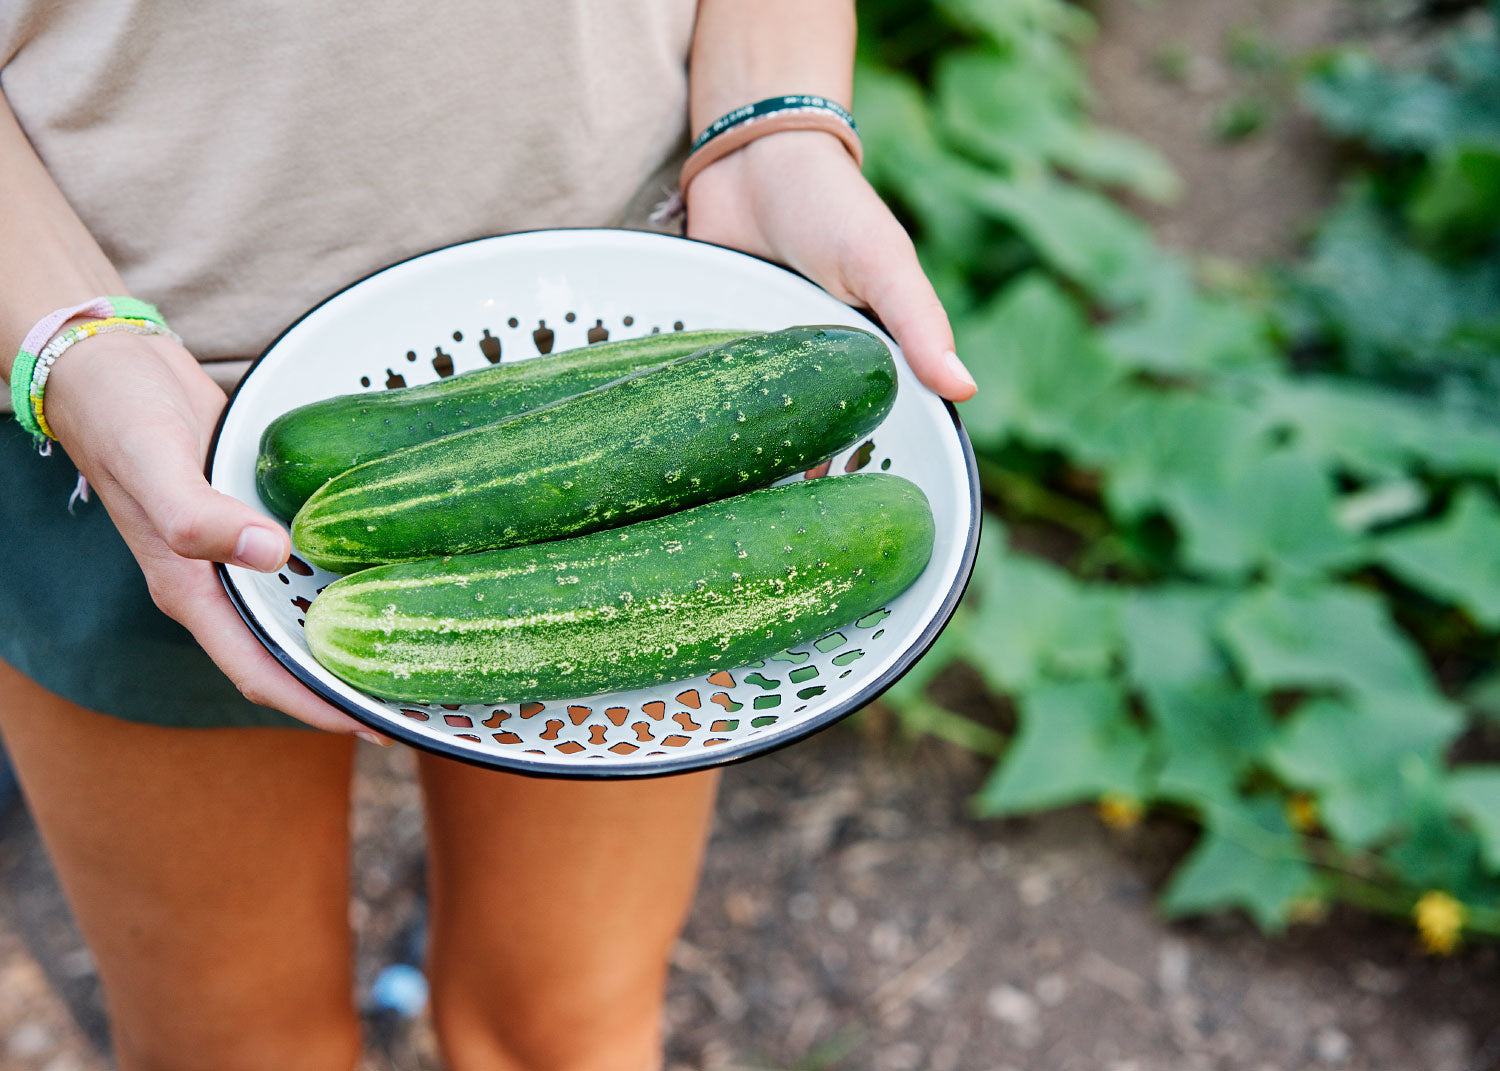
(1332,1046)
(803,907)
(1013,1006)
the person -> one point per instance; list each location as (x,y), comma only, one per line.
(234,166)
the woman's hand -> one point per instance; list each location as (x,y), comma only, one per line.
(797,197)
(135,414)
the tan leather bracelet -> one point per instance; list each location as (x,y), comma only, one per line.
(775,123)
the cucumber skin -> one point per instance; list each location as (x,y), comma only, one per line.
(717,423)
(710,588)
(305,447)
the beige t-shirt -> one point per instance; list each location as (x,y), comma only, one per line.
(239,161)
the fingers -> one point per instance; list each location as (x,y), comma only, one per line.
(193,519)
(882,269)
(258,676)
(190,593)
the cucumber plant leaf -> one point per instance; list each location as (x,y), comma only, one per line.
(1076,742)
(1352,753)
(1455,559)
(1323,636)
(1247,857)
(1209,734)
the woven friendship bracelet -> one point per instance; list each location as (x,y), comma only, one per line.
(25,363)
(54,349)
(770,116)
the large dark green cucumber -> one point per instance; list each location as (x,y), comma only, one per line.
(303,448)
(710,588)
(722,421)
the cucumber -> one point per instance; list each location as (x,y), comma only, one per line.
(704,427)
(303,448)
(710,588)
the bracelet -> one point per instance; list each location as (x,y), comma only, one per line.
(25,363)
(42,367)
(770,116)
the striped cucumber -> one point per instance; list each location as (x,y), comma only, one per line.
(302,449)
(710,588)
(704,427)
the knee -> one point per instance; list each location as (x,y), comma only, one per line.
(576,1029)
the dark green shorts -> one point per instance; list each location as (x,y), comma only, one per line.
(75,615)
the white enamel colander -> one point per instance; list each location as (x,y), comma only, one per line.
(520,297)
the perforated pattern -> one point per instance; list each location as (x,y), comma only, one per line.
(689,723)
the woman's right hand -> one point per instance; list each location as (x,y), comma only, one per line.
(135,415)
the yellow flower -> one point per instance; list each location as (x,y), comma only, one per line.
(1301,812)
(1119,811)
(1440,920)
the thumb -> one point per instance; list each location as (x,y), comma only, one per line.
(195,521)
(199,522)
(889,279)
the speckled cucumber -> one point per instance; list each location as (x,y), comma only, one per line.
(303,448)
(709,588)
(722,421)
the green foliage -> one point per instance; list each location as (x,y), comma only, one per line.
(1404,279)
(1247,857)
(1229,566)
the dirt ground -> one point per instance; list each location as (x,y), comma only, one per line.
(852,914)
(853,917)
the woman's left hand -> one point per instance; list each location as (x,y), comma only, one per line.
(796,197)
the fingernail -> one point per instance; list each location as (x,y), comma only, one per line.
(258,548)
(371,738)
(957,368)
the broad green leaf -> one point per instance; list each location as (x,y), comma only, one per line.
(1048,26)
(1354,95)
(1384,299)
(1424,111)
(1437,849)
(1037,364)
(1158,445)
(1474,793)
(1209,734)
(1323,637)
(1456,558)
(1180,330)
(1353,752)
(1007,111)
(1113,159)
(1036,623)
(1075,742)
(1247,857)
(1237,504)
(1275,511)
(1168,635)
(991,104)
(1375,432)
(1080,234)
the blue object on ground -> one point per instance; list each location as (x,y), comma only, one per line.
(400,988)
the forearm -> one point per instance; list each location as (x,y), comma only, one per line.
(48,259)
(746,50)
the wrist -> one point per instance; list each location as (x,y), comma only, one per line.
(785,158)
(103,370)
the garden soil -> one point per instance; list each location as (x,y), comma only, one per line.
(853,915)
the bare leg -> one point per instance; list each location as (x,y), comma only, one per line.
(554,908)
(208,871)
